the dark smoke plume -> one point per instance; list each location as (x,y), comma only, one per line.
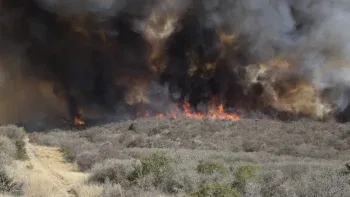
(110,59)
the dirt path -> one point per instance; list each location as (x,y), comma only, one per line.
(49,167)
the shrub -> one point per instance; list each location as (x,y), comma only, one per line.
(217,189)
(86,160)
(245,172)
(110,171)
(13,132)
(68,154)
(274,183)
(7,148)
(317,181)
(157,164)
(8,185)
(323,182)
(153,171)
(113,191)
(21,150)
(210,167)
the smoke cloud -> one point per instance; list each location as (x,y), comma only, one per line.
(111,59)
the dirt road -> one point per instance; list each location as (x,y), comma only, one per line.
(47,166)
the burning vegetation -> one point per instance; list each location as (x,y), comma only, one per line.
(109,60)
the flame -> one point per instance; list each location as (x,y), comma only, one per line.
(216,112)
(78,121)
(78,118)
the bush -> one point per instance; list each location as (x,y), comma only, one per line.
(7,148)
(21,150)
(244,173)
(320,181)
(157,164)
(110,171)
(210,167)
(274,183)
(86,160)
(12,142)
(68,154)
(217,189)
(154,171)
(323,182)
(113,191)
(13,132)
(8,185)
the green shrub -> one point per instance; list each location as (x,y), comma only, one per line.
(8,185)
(21,150)
(243,174)
(217,189)
(210,167)
(157,164)
(154,170)
(246,172)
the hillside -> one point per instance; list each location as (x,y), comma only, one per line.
(203,157)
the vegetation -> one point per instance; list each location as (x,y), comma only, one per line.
(110,171)
(157,164)
(183,157)
(217,189)
(8,185)
(21,150)
(295,139)
(243,174)
(210,167)
(12,147)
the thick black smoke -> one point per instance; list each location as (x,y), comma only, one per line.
(107,59)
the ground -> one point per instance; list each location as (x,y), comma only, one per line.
(48,164)
(296,158)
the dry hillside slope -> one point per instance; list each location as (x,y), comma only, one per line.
(170,157)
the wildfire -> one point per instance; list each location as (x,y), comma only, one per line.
(78,121)
(216,112)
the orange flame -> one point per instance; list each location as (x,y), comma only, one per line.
(78,121)
(216,112)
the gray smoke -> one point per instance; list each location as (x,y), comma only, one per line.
(314,33)
(105,8)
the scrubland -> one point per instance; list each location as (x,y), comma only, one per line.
(178,157)
(202,158)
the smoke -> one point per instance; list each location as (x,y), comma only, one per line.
(105,8)
(312,33)
(113,58)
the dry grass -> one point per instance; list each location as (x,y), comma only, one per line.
(89,190)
